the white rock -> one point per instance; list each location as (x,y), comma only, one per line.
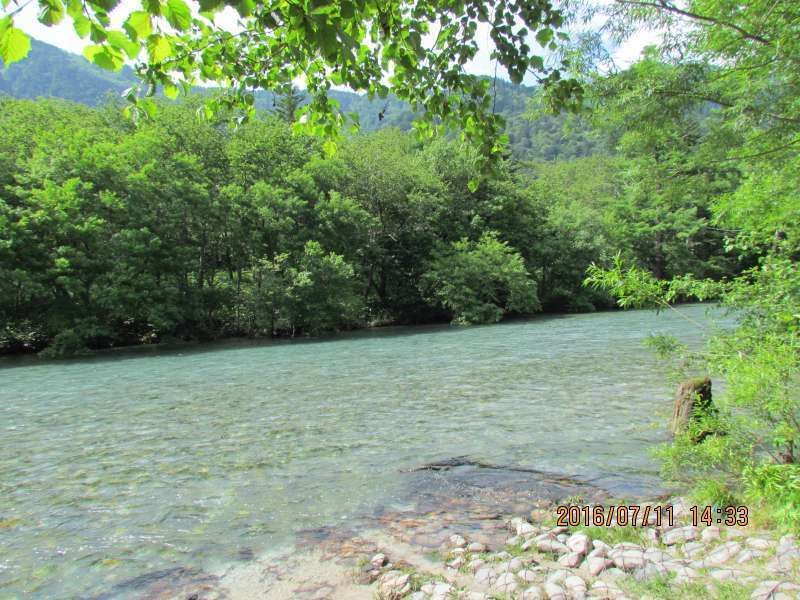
(680,535)
(506,583)
(503,555)
(419,596)
(710,533)
(378,560)
(525,528)
(723,554)
(694,549)
(485,576)
(684,574)
(551,545)
(597,564)
(562,537)
(628,559)
(527,575)
(476,547)
(515,564)
(680,508)
(475,564)
(456,541)
(759,543)
(476,596)
(650,570)
(553,591)
(787,542)
(441,591)
(726,574)
(614,573)
(571,560)
(601,546)
(558,576)
(533,593)
(602,589)
(456,563)
(774,590)
(394,584)
(576,587)
(747,555)
(656,555)
(580,543)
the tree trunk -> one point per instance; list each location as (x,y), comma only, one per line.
(692,399)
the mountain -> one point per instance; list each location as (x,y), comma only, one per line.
(51,72)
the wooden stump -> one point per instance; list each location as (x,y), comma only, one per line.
(693,398)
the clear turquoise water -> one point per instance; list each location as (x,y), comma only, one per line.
(112,468)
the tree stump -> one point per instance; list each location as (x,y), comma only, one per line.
(692,399)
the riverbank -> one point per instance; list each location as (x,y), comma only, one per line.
(533,559)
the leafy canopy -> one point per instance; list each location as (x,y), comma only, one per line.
(415,49)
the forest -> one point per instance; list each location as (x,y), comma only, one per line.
(185,229)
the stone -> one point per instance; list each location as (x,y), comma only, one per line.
(527,575)
(576,587)
(722,554)
(525,528)
(419,596)
(628,559)
(787,542)
(503,555)
(485,576)
(656,555)
(747,555)
(710,533)
(614,573)
(597,564)
(533,593)
(506,583)
(774,590)
(604,590)
(759,543)
(441,591)
(476,596)
(456,563)
(684,574)
(601,546)
(680,535)
(394,584)
(558,576)
(476,547)
(649,571)
(580,543)
(571,560)
(378,560)
(458,551)
(515,564)
(475,564)
(553,591)
(694,549)
(652,535)
(562,537)
(726,574)
(551,545)
(456,541)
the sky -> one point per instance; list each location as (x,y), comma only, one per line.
(63,36)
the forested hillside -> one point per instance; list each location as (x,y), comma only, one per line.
(49,72)
(115,234)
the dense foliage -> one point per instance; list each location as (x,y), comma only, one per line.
(713,114)
(114,234)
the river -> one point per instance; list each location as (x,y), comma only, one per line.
(117,466)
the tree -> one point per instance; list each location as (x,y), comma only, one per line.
(287,105)
(414,49)
(477,282)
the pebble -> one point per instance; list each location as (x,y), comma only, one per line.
(394,584)
(597,564)
(571,560)
(554,591)
(485,576)
(722,554)
(506,583)
(775,590)
(602,589)
(601,546)
(579,543)
(551,545)
(694,549)
(378,560)
(576,587)
(760,543)
(475,564)
(710,533)
(476,547)
(628,559)
(457,541)
(533,593)
(680,535)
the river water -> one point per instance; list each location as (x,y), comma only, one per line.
(119,466)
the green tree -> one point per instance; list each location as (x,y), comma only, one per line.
(478,282)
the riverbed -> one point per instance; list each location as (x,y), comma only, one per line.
(117,467)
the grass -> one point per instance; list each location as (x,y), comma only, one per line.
(614,535)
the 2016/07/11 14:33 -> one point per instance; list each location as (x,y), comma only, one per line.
(646,515)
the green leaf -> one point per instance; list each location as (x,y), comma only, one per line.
(14,45)
(105,57)
(158,47)
(52,12)
(544,36)
(138,25)
(171,91)
(472,185)
(119,40)
(82,25)
(5,23)
(178,14)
